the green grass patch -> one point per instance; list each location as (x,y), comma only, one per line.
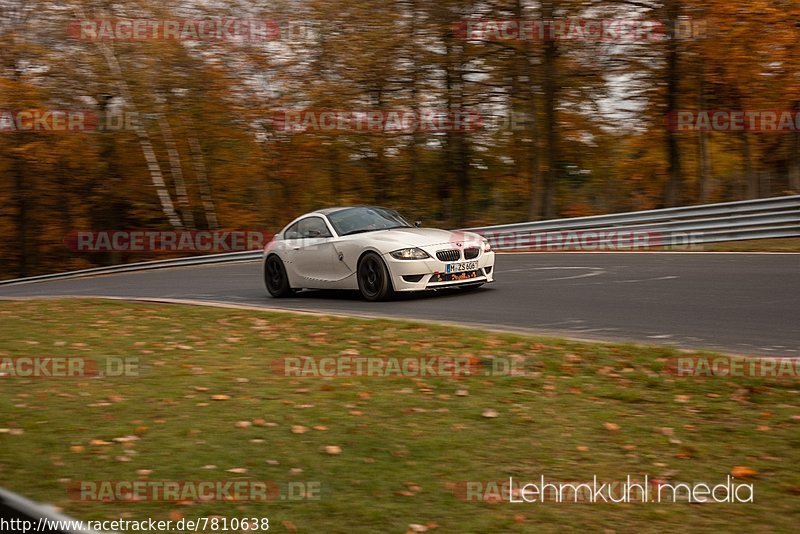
(786,244)
(406,443)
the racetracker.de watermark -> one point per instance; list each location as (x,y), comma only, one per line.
(397,367)
(193,490)
(580,30)
(376,121)
(734,367)
(47,120)
(218,29)
(67,367)
(66,121)
(592,240)
(734,120)
(164,241)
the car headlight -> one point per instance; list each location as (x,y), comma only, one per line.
(487,247)
(409,254)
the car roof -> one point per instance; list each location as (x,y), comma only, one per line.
(328,211)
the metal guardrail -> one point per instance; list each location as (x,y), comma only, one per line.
(671,227)
(19,514)
(229,257)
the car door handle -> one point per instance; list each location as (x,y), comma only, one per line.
(296,248)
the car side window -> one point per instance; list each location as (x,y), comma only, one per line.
(292,232)
(312,227)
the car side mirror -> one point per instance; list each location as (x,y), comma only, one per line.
(313,233)
(418,223)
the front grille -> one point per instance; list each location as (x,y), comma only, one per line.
(448,255)
(454,277)
(471,253)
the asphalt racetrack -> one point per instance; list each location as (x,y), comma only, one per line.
(739,303)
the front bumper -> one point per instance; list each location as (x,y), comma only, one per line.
(429,274)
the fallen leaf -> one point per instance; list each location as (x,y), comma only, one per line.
(613,427)
(126,439)
(741,471)
(489,413)
(333,449)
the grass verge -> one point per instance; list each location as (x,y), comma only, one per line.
(406,445)
(786,244)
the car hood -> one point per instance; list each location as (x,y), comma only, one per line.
(389,240)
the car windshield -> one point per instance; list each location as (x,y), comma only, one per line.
(356,220)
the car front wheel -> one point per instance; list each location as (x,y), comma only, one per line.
(275,278)
(373,278)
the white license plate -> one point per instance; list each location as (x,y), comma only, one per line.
(461,267)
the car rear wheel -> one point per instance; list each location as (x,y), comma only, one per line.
(373,278)
(275,278)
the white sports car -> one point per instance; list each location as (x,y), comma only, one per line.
(374,250)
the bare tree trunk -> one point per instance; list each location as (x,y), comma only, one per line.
(523,91)
(674,188)
(167,207)
(533,150)
(751,177)
(21,198)
(335,174)
(551,137)
(176,170)
(202,181)
(416,140)
(457,142)
(794,159)
(13,17)
(704,170)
